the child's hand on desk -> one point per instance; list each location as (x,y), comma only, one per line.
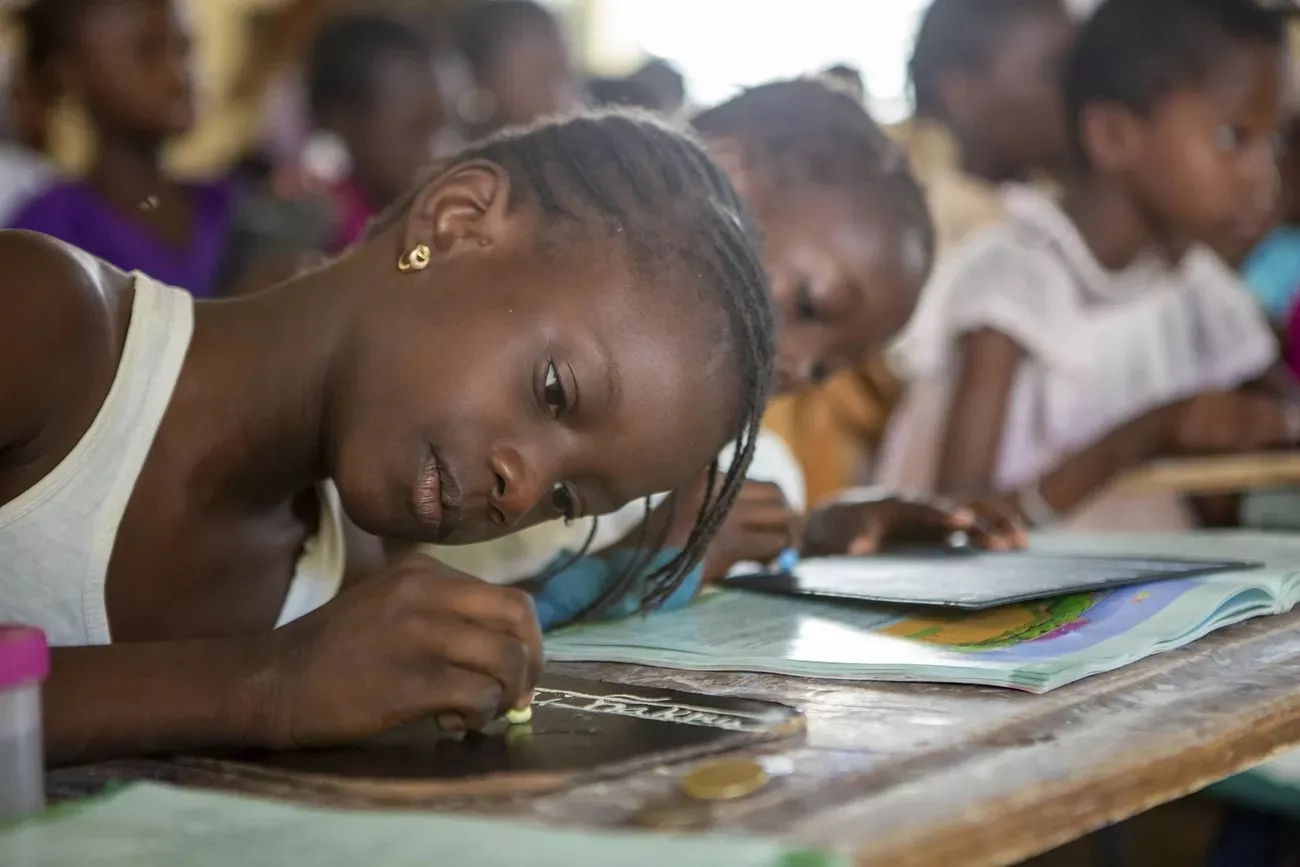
(869,527)
(1234,421)
(419,640)
(760,526)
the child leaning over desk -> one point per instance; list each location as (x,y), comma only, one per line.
(984,77)
(848,246)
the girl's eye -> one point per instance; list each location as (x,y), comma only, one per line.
(1227,138)
(553,392)
(804,307)
(563,502)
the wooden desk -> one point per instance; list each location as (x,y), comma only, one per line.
(912,775)
(1215,475)
(932,776)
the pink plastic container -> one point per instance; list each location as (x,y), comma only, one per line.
(24,665)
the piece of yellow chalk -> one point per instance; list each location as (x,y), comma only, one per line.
(521,716)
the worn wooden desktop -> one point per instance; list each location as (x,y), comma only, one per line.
(916,775)
(925,776)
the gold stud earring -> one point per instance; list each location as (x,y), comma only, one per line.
(416,260)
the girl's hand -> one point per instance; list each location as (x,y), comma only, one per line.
(760,526)
(420,640)
(860,529)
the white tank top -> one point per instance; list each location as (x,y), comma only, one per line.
(56,538)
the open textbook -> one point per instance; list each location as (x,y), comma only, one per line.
(1034,646)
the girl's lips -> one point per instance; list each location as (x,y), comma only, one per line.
(427,499)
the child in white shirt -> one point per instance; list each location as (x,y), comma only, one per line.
(1076,341)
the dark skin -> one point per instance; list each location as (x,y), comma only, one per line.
(359,373)
(845,277)
(530,77)
(128,63)
(390,137)
(1006,112)
(1200,167)
(762,525)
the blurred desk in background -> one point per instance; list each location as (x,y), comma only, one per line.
(1215,475)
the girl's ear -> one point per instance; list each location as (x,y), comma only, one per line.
(1111,135)
(465,207)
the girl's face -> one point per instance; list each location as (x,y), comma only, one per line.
(500,386)
(1010,108)
(1205,160)
(845,279)
(130,65)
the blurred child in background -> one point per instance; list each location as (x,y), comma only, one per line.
(24,168)
(987,112)
(1272,270)
(520,64)
(655,86)
(985,77)
(127,63)
(1079,340)
(372,84)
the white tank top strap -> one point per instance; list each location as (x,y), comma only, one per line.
(319,573)
(57,537)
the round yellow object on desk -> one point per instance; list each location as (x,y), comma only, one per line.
(725,780)
(521,716)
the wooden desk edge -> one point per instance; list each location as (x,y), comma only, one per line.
(1001,789)
(1066,803)
(1009,830)
(1214,475)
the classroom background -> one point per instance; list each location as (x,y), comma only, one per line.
(262,152)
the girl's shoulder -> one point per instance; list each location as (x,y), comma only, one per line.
(1005,278)
(1006,265)
(65,314)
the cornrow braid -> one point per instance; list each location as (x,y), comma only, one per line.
(810,131)
(627,177)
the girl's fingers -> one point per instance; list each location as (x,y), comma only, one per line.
(864,546)
(998,530)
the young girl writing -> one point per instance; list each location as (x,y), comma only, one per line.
(371,83)
(554,323)
(127,63)
(1070,344)
(847,249)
